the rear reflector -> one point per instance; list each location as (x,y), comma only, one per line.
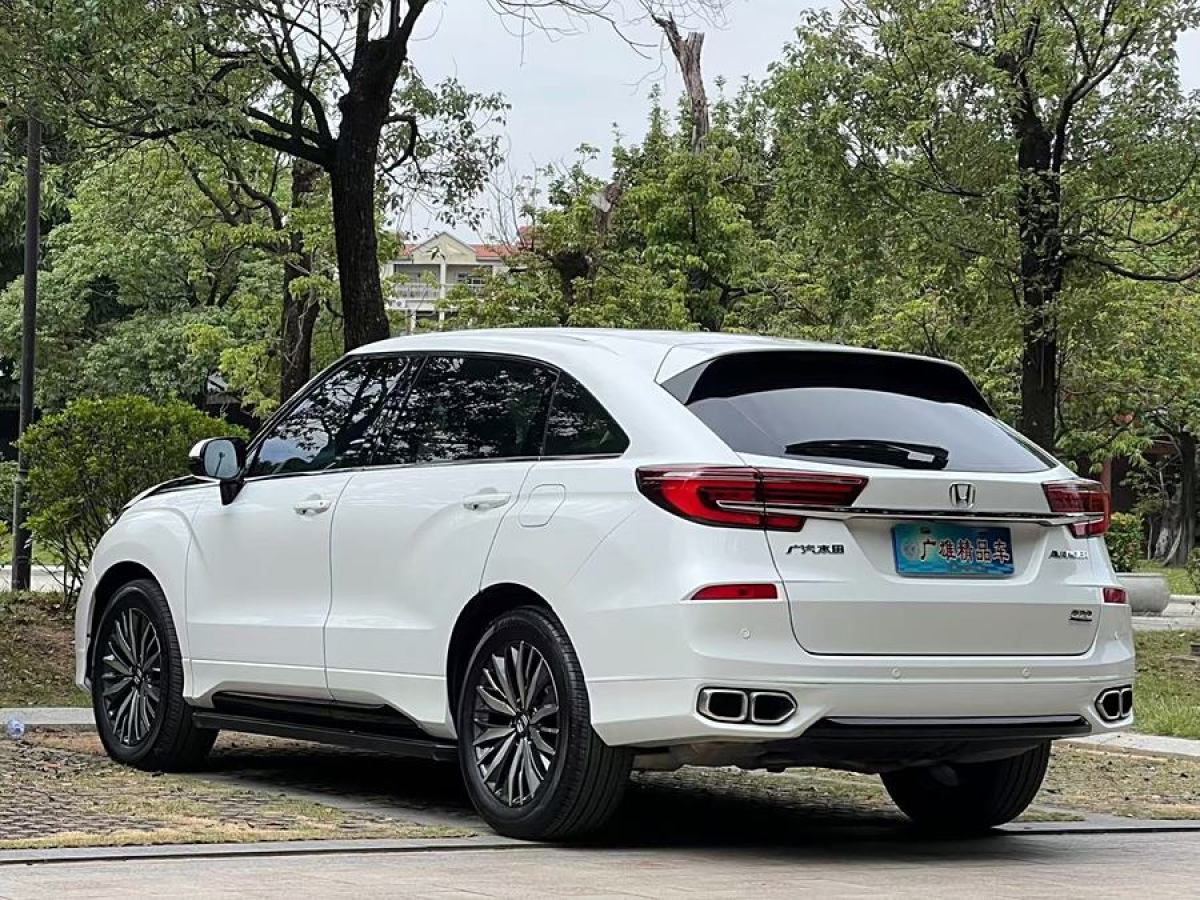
(746,498)
(1115,595)
(737,592)
(1080,497)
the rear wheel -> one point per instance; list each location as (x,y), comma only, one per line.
(532,764)
(137,684)
(969,796)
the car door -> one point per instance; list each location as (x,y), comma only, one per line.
(258,577)
(413,531)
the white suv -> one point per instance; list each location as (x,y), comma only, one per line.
(557,555)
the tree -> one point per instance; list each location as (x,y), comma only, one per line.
(239,65)
(1046,142)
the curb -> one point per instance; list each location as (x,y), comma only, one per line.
(265,848)
(76,718)
(1139,745)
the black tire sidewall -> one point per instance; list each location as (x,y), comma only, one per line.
(533,627)
(146,597)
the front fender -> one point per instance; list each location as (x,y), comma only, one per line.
(153,535)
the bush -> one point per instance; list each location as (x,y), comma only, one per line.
(1193,569)
(1124,540)
(88,461)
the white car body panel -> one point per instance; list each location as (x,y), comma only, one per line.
(358,604)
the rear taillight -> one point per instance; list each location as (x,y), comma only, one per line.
(744,497)
(1080,497)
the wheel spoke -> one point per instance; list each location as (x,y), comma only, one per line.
(549,709)
(500,669)
(115,685)
(493,702)
(118,665)
(532,778)
(494,734)
(540,742)
(517,652)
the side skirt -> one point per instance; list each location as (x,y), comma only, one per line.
(378,728)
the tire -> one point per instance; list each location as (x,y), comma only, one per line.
(519,789)
(137,685)
(969,797)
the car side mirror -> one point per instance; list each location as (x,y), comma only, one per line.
(220,459)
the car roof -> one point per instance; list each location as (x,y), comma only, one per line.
(646,350)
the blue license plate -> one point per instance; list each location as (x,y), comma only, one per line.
(935,550)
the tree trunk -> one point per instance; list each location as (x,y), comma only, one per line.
(1187,498)
(687,52)
(300,308)
(352,184)
(1038,206)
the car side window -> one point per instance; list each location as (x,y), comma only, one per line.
(331,427)
(578,425)
(470,407)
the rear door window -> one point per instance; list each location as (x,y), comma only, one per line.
(470,408)
(855,409)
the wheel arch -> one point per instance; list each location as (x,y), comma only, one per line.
(473,621)
(116,575)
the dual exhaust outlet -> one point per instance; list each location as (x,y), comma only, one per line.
(736,706)
(1115,704)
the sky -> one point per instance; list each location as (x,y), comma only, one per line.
(572,89)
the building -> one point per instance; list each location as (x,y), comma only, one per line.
(428,270)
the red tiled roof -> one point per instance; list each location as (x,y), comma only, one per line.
(482,251)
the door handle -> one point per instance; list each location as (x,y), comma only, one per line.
(486,500)
(312,506)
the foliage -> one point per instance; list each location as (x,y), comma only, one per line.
(89,460)
(1193,568)
(1124,541)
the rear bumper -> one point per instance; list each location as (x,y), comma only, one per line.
(662,712)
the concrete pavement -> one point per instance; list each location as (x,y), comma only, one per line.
(1100,865)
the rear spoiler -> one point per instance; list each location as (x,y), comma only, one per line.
(753,371)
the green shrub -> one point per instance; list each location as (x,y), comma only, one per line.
(86,462)
(1124,540)
(1193,568)
(8,475)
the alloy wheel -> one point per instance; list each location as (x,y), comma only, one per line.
(516,735)
(132,676)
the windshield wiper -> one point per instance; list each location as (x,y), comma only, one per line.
(888,453)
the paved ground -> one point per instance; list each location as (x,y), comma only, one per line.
(850,864)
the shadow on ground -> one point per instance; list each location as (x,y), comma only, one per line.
(690,808)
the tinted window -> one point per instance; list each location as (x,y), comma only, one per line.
(578,425)
(330,427)
(857,409)
(470,408)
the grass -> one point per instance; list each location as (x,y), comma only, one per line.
(1178,579)
(37,657)
(1167,694)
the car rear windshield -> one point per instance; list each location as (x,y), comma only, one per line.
(853,408)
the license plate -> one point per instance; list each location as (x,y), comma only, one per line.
(944,551)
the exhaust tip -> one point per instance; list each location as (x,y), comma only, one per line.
(724,704)
(737,706)
(1115,704)
(771,707)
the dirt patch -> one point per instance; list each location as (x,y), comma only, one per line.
(1122,784)
(60,790)
(37,655)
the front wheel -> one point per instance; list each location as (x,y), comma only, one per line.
(964,797)
(532,764)
(137,684)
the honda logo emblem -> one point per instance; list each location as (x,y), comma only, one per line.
(962,495)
